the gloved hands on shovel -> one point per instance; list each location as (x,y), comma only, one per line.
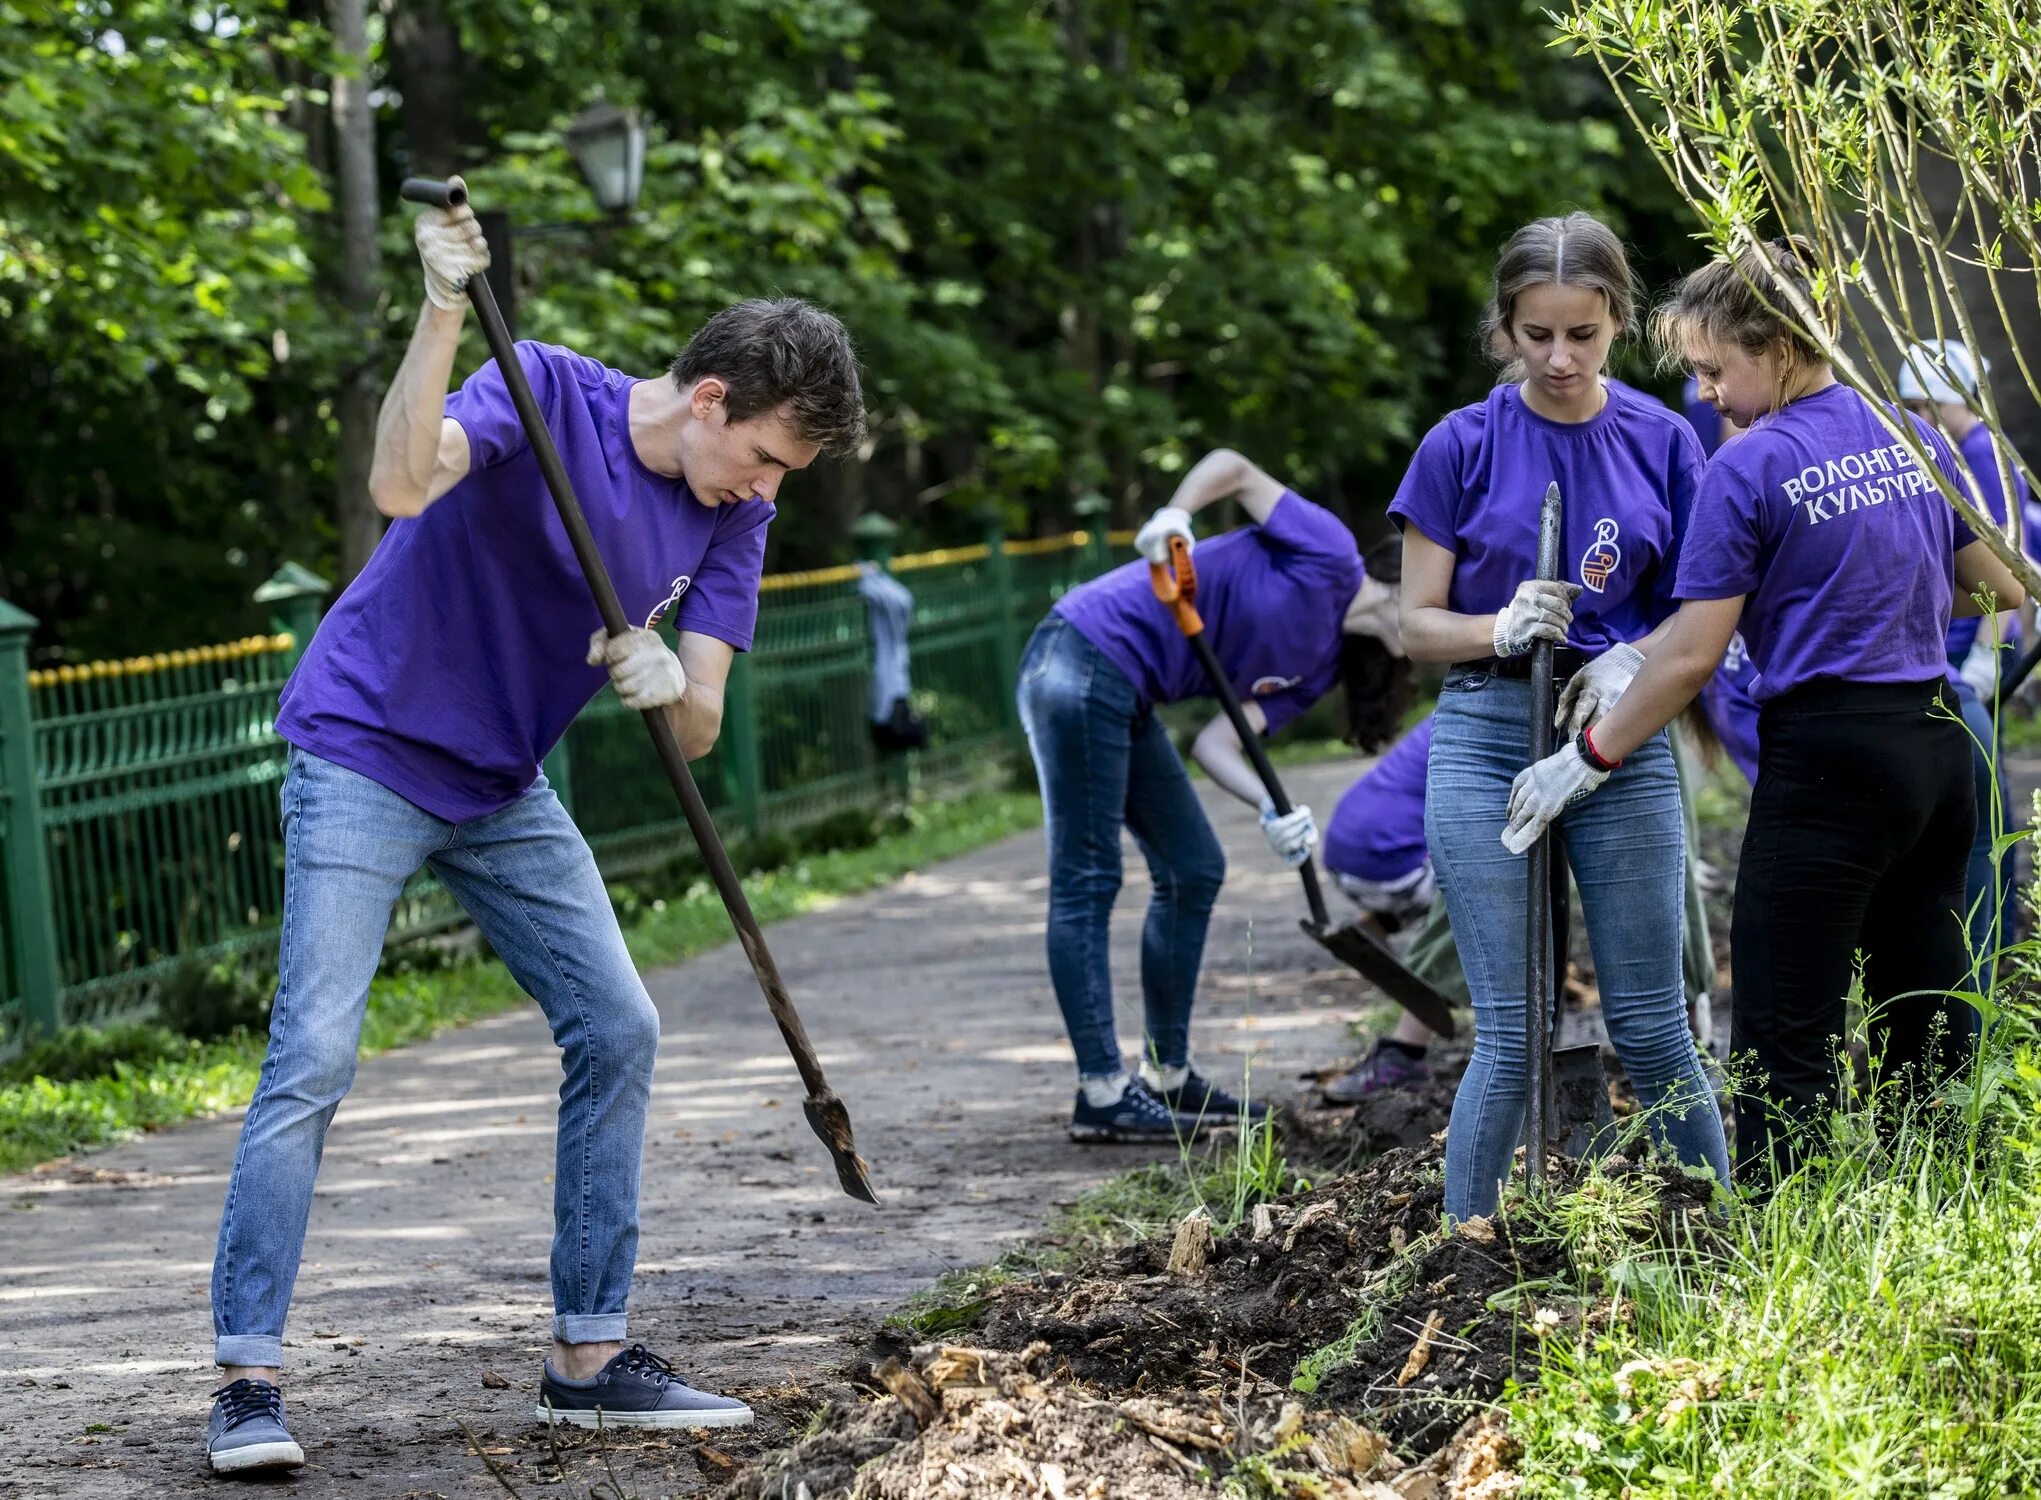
(1292,835)
(1543,791)
(1594,689)
(453,250)
(644,671)
(1540,610)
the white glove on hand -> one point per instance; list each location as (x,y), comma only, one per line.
(451,246)
(641,668)
(1292,835)
(1541,611)
(1594,689)
(1152,540)
(1543,791)
(1980,668)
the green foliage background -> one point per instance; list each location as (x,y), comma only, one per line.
(1078,241)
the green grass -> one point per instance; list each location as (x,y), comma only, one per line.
(1871,1331)
(88,1088)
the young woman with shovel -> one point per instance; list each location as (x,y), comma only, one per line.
(1290,612)
(1824,541)
(1469,507)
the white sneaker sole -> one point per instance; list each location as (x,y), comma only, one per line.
(257,1456)
(575,1417)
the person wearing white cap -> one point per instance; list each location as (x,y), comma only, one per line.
(1939,381)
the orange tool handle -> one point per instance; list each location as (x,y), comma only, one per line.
(1177,586)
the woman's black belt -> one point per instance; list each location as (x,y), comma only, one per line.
(1565,662)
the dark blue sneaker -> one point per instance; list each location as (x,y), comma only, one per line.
(1139,1117)
(246,1435)
(1202,1099)
(636,1389)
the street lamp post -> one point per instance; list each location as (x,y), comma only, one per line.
(607,143)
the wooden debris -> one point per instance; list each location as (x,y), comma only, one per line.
(716,1458)
(1193,1246)
(1317,1213)
(1477,1229)
(494,1381)
(909,1390)
(1421,1351)
(1264,1223)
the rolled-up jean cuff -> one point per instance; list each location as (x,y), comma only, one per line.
(589,1328)
(255,1351)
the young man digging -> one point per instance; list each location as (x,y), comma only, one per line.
(417,721)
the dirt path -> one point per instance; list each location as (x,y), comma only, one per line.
(426,1264)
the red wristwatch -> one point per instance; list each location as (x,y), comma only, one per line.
(1585,744)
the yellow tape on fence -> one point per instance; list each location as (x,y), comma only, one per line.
(162,661)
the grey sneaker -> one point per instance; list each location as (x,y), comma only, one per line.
(636,1389)
(246,1435)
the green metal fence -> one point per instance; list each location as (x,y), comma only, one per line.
(138,798)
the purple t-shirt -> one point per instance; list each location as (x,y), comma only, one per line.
(1272,598)
(1732,709)
(1844,547)
(1627,476)
(456,660)
(1981,459)
(1377,831)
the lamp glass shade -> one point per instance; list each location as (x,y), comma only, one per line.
(608,145)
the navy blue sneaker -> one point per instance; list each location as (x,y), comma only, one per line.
(246,1435)
(1139,1117)
(636,1389)
(1202,1099)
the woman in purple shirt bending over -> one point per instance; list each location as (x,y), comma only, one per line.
(1289,610)
(1823,539)
(1469,506)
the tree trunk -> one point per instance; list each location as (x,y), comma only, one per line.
(354,135)
(426,59)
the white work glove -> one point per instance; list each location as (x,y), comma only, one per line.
(1152,540)
(641,668)
(1980,668)
(451,246)
(1594,689)
(1545,790)
(1292,835)
(1541,611)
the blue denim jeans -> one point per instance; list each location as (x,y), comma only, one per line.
(527,878)
(1104,762)
(1625,845)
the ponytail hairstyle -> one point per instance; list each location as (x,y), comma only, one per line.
(1575,249)
(1741,300)
(1380,686)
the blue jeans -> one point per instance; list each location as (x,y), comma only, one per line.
(1625,846)
(1104,761)
(527,878)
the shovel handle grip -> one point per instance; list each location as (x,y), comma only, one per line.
(432,191)
(1176,585)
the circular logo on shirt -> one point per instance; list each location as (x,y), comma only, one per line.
(1602,556)
(1265,686)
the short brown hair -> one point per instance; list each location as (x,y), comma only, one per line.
(782,352)
(1573,249)
(1741,299)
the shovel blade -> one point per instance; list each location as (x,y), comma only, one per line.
(831,1121)
(1361,950)
(1581,1117)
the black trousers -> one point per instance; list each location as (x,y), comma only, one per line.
(1858,842)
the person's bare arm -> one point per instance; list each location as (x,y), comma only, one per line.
(1221,756)
(1978,569)
(1223,472)
(1432,632)
(698,718)
(421,452)
(1686,657)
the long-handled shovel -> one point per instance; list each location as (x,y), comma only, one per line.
(1177,586)
(826,1114)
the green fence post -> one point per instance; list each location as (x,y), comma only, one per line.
(739,740)
(1007,637)
(298,596)
(1094,513)
(24,863)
